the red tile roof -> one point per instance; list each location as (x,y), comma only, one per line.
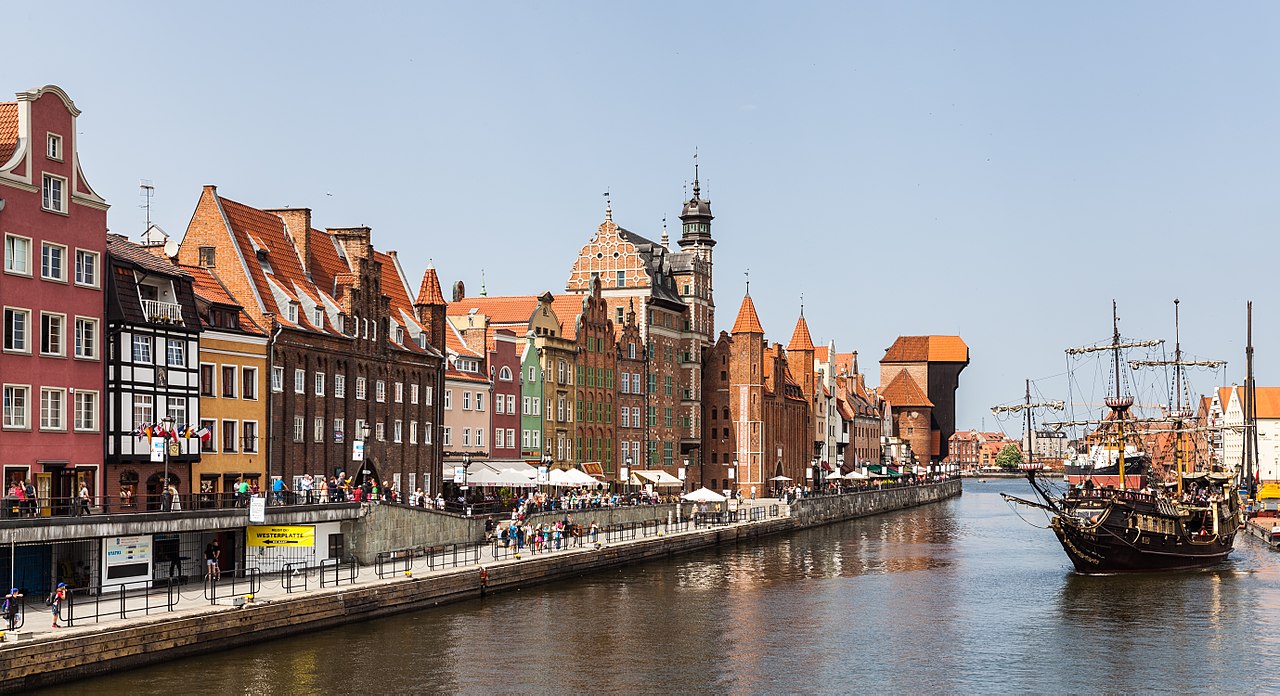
(1268,400)
(122,249)
(8,130)
(208,287)
(927,349)
(748,321)
(515,309)
(800,338)
(429,293)
(822,353)
(327,267)
(453,341)
(903,391)
(269,233)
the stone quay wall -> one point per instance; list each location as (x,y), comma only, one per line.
(56,659)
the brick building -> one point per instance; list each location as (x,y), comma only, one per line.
(597,369)
(926,371)
(347,349)
(54,228)
(632,428)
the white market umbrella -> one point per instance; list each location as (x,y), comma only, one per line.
(704,495)
(781,478)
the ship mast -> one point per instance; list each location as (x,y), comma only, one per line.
(1177,389)
(1118,403)
(1030,441)
(1250,408)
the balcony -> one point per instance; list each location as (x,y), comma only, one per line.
(158,312)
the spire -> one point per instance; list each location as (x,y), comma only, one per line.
(696,216)
(697,190)
(748,321)
(801,339)
(608,207)
(429,293)
(666,241)
(483,291)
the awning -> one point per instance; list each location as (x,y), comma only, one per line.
(704,495)
(780,478)
(657,477)
(571,477)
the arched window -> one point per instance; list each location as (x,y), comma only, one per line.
(505,374)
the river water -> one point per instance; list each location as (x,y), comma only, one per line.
(958,597)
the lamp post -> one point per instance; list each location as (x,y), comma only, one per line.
(547,461)
(817,476)
(168,430)
(364,453)
(625,474)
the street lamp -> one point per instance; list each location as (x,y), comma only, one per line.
(732,473)
(547,461)
(624,474)
(364,452)
(817,476)
(168,431)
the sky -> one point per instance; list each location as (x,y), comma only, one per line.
(1000,170)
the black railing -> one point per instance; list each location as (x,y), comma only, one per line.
(390,564)
(119,600)
(294,577)
(236,582)
(453,555)
(335,572)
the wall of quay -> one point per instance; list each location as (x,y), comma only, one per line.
(56,659)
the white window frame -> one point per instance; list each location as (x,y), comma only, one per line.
(380,391)
(498,440)
(143,409)
(466,437)
(86,395)
(397,430)
(339,426)
(248,377)
(236,443)
(317,428)
(53,147)
(380,431)
(397,392)
(249,445)
(11,259)
(93,256)
(448,399)
(11,419)
(299,428)
(466,401)
(480,401)
(413,394)
(61,413)
(480,437)
(446,434)
(142,340)
(511,437)
(431,390)
(47,203)
(60,351)
(175,344)
(25,348)
(361,388)
(426,433)
(61,276)
(413,432)
(319,384)
(339,386)
(299,380)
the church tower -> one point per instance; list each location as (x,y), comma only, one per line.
(696,244)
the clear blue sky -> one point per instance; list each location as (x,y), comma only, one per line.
(1000,170)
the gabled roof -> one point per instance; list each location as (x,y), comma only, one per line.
(8,130)
(209,288)
(822,353)
(748,321)
(453,341)
(903,391)
(514,309)
(800,338)
(121,249)
(254,229)
(1268,400)
(329,267)
(927,349)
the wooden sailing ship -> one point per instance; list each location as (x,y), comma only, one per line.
(1111,525)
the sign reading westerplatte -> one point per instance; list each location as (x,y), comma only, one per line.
(281,535)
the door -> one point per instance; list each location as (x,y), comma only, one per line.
(45,495)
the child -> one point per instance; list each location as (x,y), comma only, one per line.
(56,607)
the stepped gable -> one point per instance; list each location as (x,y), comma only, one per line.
(800,338)
(748,321)
(903,391)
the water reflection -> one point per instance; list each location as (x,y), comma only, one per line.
(956,597)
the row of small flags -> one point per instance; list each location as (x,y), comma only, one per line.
(160,430)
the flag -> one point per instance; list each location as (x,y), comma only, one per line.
(205,433)
(146,431)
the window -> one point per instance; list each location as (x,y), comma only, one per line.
(229,381)
(466,401)
(448,399)
(277,379)
(340,386)
(396,429)
(511,437)
(249,382)
(299,381)
(52,198)
(479,401)
(413,432)
(291,311)
(17,254)
(479,437)
(446,433)
(498,440)
(430,393)
(466,437)
(625,419)
(505,374)
(317,429)
(228,436)
(53,262)
(360,388)
(53,409)
(537,439)
(533,374)
(206,256)
(525,405)
(144,410)
(625,386)
(380,391)
(16,402)
(175,353)
(398,392)
(339,429)
(498,405)
(537,407)
(380,431)
(141,349)
(413,393)
(53,147)
(52,329)
(426,434)
(319,380)
(511,403)
(299,427)
(85,405)
(524,439)
(317,316)
(250,436)
(16,330)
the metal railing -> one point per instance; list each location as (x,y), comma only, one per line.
(236,582)
(119,600)
(335,572)
(162,312)
(390,564)
(294,577)
(453,555)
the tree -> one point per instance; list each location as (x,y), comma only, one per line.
(1009,457)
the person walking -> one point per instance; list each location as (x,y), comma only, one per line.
(212,556)
(55,606)
(10,608)
(85,500)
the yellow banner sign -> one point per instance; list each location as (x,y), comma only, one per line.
(281,536)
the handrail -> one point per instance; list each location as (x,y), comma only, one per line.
(335,567)
(14,612)
(390,564)
(293,574)
(239,577)
(140,588)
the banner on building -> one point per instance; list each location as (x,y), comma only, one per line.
(280,535)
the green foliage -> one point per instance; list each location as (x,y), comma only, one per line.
(1009,457)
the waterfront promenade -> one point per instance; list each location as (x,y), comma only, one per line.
(287,602)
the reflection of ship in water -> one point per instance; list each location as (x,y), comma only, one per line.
(1111,519)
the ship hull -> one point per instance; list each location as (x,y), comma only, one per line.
(1106,549)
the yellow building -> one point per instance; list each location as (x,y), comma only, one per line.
(233,394)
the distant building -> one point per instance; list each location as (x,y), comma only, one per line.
(1233,420)
(1048,447)
(919,376)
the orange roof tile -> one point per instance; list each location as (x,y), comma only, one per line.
(393,286)
(927,349)
(748,321)
(268,230)
(453,341)
(1268,400)
(429,293)
(822,353)
(515,309)
(800,338)
(326,266)
(567,309)
(8,130)
(903,391)
(208,287)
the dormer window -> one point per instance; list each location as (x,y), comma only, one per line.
(291,311)
(262,261)
(400,335)
(317,317)
(54,147)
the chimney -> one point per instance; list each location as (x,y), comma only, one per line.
(297,221)
(355,242)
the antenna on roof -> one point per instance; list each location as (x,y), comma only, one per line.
(483,292)
(148,190)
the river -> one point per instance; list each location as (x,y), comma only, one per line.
(957,597)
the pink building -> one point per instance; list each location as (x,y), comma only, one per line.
(51,289)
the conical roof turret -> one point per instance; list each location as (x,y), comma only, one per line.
(801,338)
(429,294)
(748,321)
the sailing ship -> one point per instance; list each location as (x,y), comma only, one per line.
(1115,522)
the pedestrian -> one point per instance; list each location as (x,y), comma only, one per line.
(10,608)
(30,491)
(166,498)
(595,532)
(55,605)
(324,490)
(84,498)
(212,556)
(306,486)
(176,500)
